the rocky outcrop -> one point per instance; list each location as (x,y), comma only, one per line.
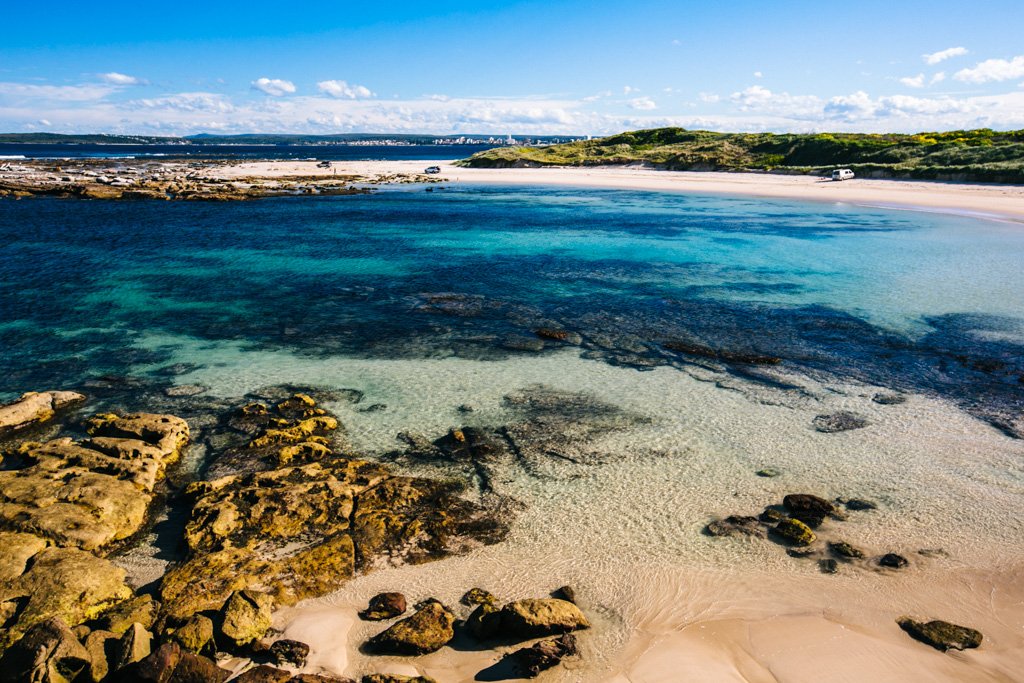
(49,653)
(170,664)
(34,408)
(263,674)
(941,635)
(429,629)
(384,606)
(94,493)
(289,653)
(304,529)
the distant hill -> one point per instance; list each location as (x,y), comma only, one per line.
(964,155)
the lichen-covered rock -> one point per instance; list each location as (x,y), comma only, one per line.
(18,549)
(195,635)
(93,493)
(941,635)
(795,531)
(47,653)
(530,661)
(478,596)
(839,422)
(142,609)
(734,525)
(34,408)
(67,583)
(429,629)
(384,606)
(246,617)
(537,617)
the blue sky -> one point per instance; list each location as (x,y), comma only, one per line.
(521,67)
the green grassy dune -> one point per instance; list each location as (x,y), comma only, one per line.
(962,155)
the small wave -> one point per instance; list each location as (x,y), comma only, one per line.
(11,156)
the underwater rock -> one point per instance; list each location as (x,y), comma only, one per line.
(34,408)
(702,351)
(566,593)
(887,399)
(427,630)
(941,635)
(844,549)
(182,390)
(47,653)
(808,508)
(557,334)
(828,566)
(795,531)
(537,617)
(735,525)
(893,561)
(768,472)
(384,606)
(839,422)
(857,504)
(396,678)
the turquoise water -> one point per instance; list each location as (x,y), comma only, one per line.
(913,301)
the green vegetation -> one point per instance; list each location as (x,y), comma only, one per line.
(968,155)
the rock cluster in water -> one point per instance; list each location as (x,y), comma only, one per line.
(432,626)
(287,518)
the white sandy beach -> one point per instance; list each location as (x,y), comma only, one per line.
(990,201)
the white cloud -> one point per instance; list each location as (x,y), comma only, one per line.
(913,81)
(709,97)
(643,104)
(938,78)
(62,93)
(992,70)
(45,122)
(677,42)
(942,55)
(273,86)
(342,90)
(186,102)
(759,98)
(115,78)
(758,74)
(628,89)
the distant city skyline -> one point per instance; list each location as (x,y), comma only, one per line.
(522,68)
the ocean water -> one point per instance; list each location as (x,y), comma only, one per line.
(649,424)
(16,151)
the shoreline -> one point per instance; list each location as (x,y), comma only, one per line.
(228,180)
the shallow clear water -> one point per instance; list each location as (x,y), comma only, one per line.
(425,302)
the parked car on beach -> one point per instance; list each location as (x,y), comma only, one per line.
(432,169)
(842,174)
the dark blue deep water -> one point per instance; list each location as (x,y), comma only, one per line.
(911,301)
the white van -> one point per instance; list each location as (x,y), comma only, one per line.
(842,174)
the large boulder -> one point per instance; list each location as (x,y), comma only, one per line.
(68,583)
(195,635)
(134,646)
(170,664)
(142,609)
(34,408)
(941,635)
(537,617)
(429,629)
(246,617)
(47,653)
(102,649)
(263,673)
